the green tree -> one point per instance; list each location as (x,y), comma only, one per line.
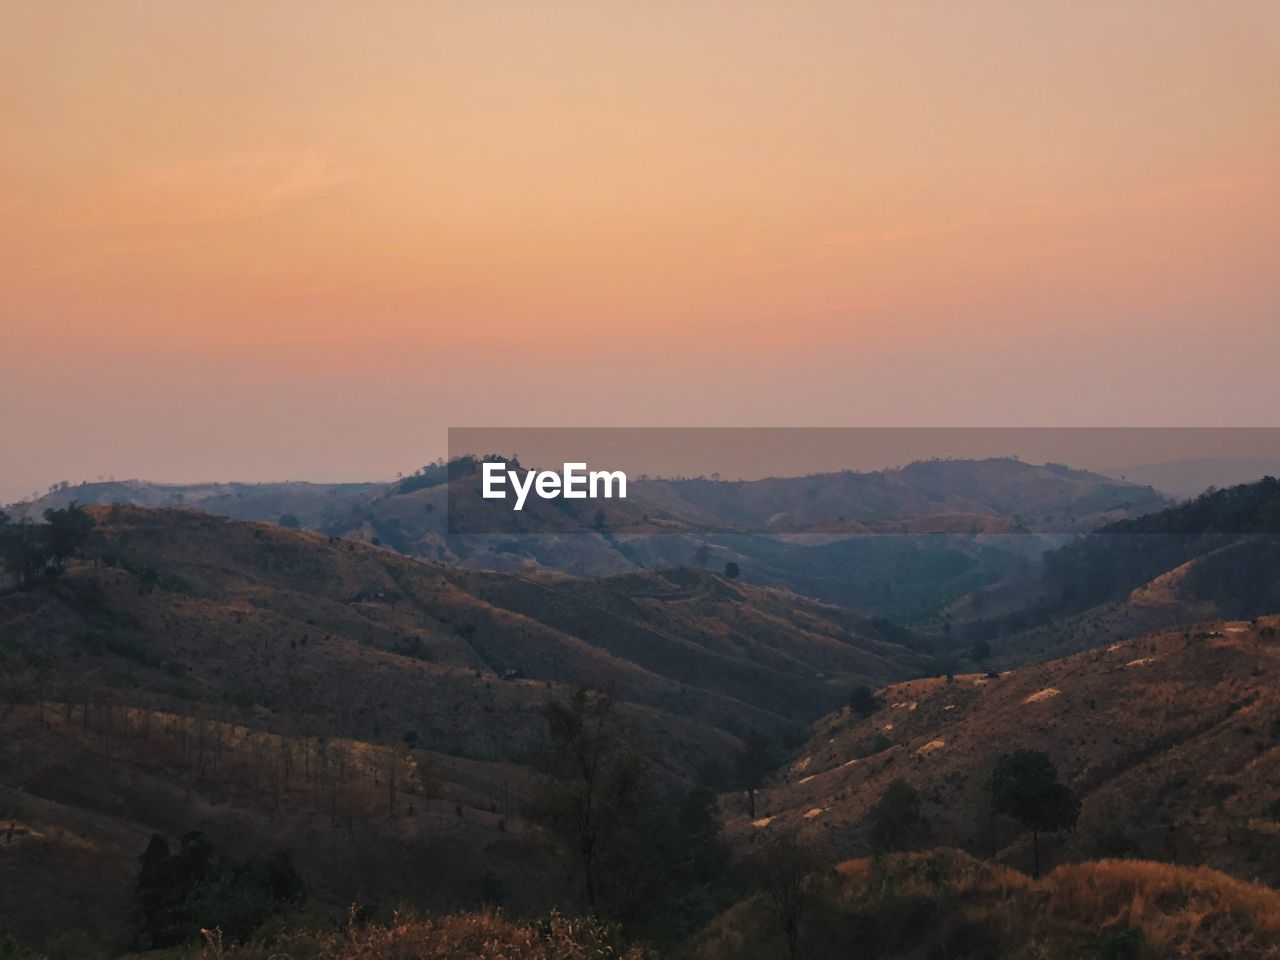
(68,529)
(290,521)
(731,570)
(655,878)
(11,949)
(178,894)
(594,779)
(1025,786)
(25,551)
(862,701)
(896,821)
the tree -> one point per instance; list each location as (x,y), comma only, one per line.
(896,821)
(980,651)
(67,532)
(290,521)
(594,779)
(863,701)
(178,894)
(1025,786)
(24,550)
(656,876)
(702,555)
(30,550)
(788,873)
(753,766)
(731,570)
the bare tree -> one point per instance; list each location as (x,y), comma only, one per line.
(790,874)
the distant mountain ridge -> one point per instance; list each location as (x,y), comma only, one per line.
(803,533)
(1031,497)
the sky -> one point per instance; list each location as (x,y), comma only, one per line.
(299,240)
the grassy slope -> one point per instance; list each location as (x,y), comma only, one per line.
(946,904)
(1172,740)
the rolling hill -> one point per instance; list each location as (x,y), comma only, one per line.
(1217,556)
(839,537)
(186,602)
(379,715)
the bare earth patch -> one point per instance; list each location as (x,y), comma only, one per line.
(1048,693)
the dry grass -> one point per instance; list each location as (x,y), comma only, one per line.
(1183,911)
(940,902)
(471,936)
(919,873)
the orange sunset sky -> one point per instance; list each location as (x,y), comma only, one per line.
(270,240)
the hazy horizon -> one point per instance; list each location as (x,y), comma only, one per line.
(1176,461)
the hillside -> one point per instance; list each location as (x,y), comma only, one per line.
(1217,556)
(379,715)
(190,604)
(1172,741)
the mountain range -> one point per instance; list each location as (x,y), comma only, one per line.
(383,714)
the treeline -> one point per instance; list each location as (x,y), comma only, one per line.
(442,471)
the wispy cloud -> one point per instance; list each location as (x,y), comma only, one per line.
(216,190)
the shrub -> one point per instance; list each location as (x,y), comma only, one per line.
(477,936)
